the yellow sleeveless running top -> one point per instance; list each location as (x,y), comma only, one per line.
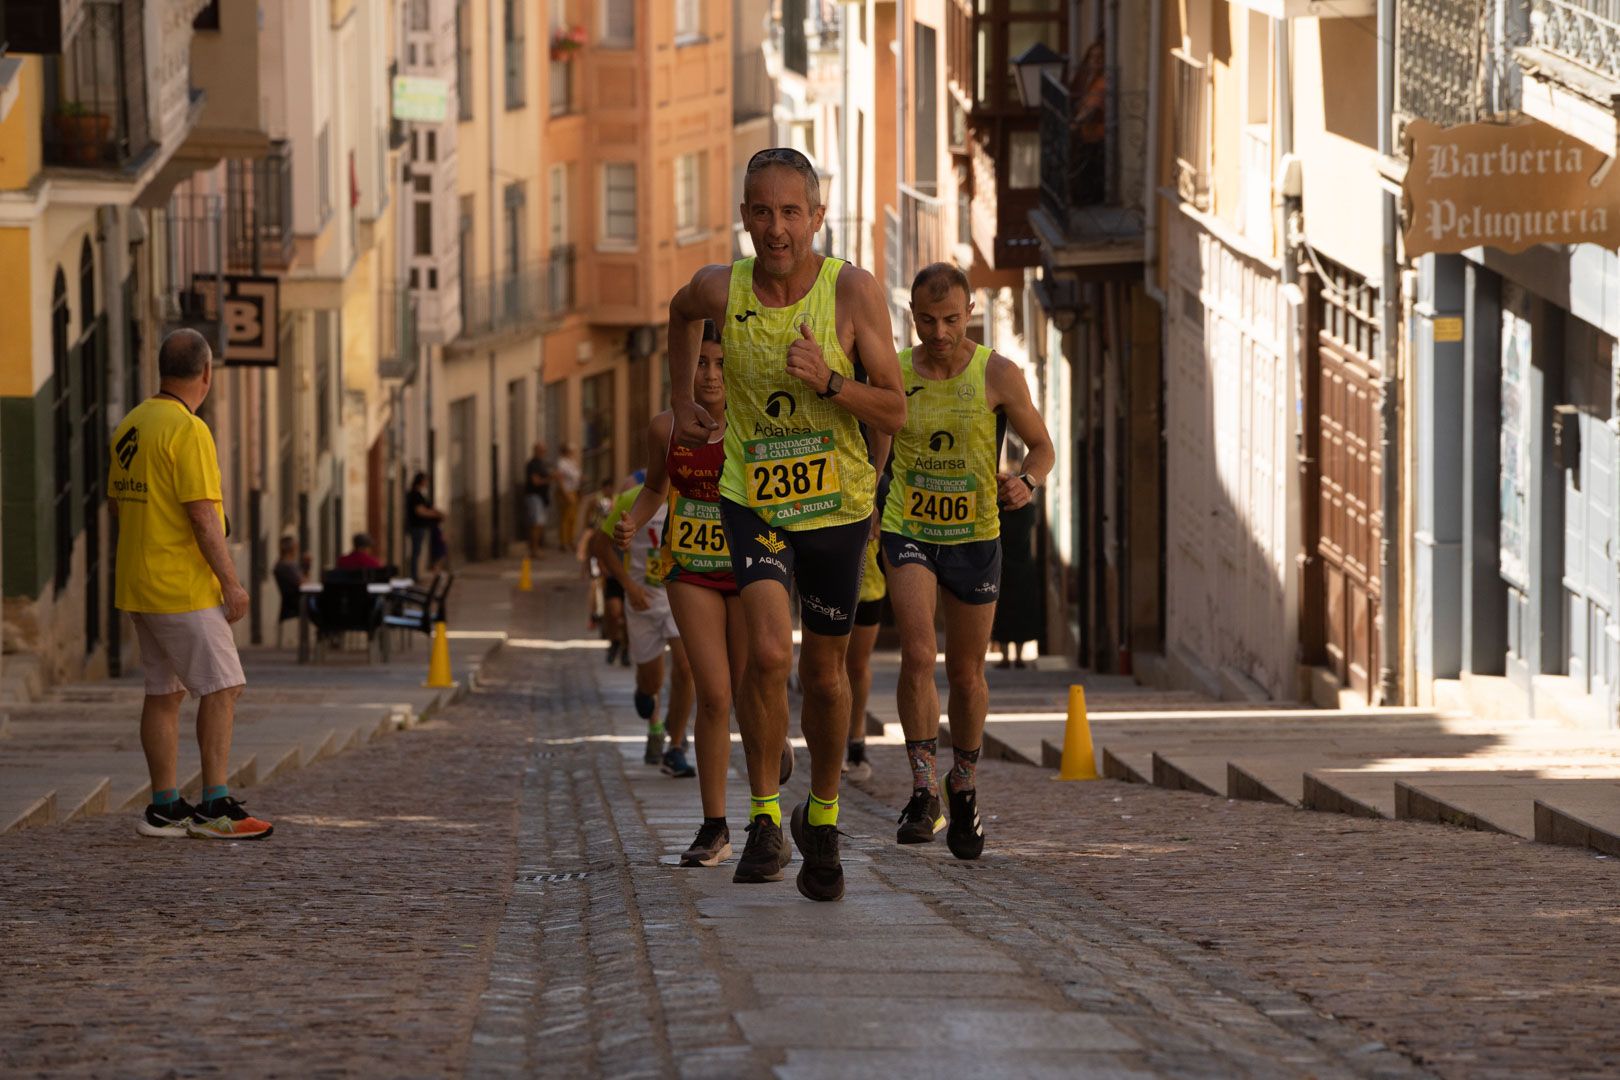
(945,458)
(797,461)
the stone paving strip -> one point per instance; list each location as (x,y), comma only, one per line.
(492,894)
(1540,779)
(77,753)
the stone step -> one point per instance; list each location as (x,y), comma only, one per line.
(1589,818)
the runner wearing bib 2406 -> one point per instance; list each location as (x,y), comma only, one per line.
(796,491)
(941,530)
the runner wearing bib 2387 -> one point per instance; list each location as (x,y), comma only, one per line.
(941,532)
(796,491)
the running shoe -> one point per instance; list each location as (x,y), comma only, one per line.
(654,754)
(921,818)
(224,819)
(711,847)
(857,768)
(170,820)
(965,837)
(787,762)
(613,652)
(675,763)
(765,854)
(821,873)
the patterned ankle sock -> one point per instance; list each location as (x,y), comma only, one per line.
(921,754)
(218,791)
(163,798)
(822,812)
(965,768)
(770,806)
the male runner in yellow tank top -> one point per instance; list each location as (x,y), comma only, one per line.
(797,489)
(941,530)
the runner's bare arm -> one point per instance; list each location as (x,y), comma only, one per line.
(656,488)
(704,297)
(1005,388)
(877,447)
(879,402)
(611,562)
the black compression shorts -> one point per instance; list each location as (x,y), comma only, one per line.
(971,572)
(826,564)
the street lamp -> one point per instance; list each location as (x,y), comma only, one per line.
(1028,68)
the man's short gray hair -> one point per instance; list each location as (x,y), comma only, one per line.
(184,354)
(788,158)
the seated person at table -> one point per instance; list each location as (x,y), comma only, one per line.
(361,557)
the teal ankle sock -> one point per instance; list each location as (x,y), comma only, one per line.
(165,797)
(218,791)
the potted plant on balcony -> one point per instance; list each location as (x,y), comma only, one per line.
(566,41)
(82,133)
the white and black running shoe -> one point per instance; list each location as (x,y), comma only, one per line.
(170,820)
(711,847)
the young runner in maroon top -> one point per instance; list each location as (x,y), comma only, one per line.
(702,591)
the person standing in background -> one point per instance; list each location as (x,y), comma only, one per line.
(421,519)
(178,583)
(565,484)
(1018,622)
(537,498)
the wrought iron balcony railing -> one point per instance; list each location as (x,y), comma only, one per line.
(1439,60)
(560,296)
(95,108)
(396,334)
(258,210)
(1191,131)
(513,301)
(751,91)
(1585,31)
(922,235)
(1075,143)
(192,265)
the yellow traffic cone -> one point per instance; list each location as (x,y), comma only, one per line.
(439,663)
(525,579)
(1079,761)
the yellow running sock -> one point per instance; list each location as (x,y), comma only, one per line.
(770,806)
(822,812)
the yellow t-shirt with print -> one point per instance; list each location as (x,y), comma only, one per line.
(162,458)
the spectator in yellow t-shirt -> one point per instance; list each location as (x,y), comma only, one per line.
(177,581)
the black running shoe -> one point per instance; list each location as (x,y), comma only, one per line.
(612,653)
(821,873)
(711,847)
(965,837)
(170,820)
(676,763)
(787,762)
(765,854)
(921,818)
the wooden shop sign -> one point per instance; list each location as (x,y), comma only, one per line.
(1507,186)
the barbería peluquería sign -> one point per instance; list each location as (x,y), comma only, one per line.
(1507,186)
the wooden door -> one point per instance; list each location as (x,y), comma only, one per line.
(1344,479)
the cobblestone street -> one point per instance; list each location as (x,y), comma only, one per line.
(490,894)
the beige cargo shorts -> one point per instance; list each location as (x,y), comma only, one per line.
(192,651)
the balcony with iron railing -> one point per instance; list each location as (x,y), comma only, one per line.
(396,334)
(1081,206)
(1439,60)
(191,265)
(509,303)
(258,210)
(95,113)
(1190,109)
(752,92)
(560,295)
(1584,31)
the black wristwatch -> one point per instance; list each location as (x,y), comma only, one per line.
(1032,485)
(835,383)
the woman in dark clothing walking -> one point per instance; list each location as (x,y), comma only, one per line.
(1019,615)
(421,521)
